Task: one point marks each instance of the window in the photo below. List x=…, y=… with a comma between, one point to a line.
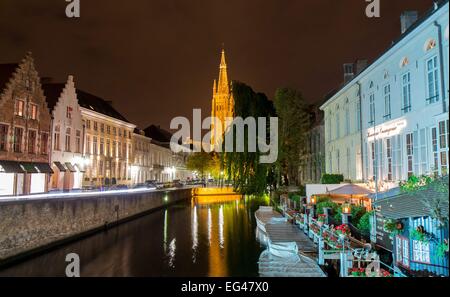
x=409, y=153
x=329, y=127
x=78, y=141
x=397, y=156
x=443, y=146
x=95, y=126
x=402, y=251
x=124, y=150
x=67, y=147
x=88, y=145
x=114, y=151
x=372, y=109
x=69, y=112
x=94, y=145
x=434, y=146
x=17, y=143
x=102, y=146
x=338, y=124
x=373, y=153
x=358, y=116
x=88, y=124
x=44, y=143
x=423, y=151
x=102, y=128
x=56, y=145
x=430, y=44
x=348, y=163
x=33, y=114
x=387, y=102
x=31, y=142
x=432, y=80
x=389, y=158
x=421, y=251
x=347, y=119
x=338, y=158
x=406, y=92
x=108, y=148
x=108, y=129
x=114, y=131
x=20, y=108
x=119, y=150
x=3, y=137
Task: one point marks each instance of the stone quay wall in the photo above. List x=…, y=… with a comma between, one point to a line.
x=33, y=224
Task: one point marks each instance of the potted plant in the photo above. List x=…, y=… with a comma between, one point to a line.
x=343, y=231
x=393, y=227
x=321, y=220
x=420, y=234
x=442, y=248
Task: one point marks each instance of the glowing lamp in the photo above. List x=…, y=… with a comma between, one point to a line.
x=346, y=209
x=313, y=199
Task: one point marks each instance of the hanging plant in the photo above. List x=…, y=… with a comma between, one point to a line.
x=442, y=248
x=393, y=227
x=419, y=234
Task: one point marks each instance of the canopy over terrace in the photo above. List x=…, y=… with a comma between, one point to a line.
x=350, y=193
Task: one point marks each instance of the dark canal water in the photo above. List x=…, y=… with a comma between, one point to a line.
x=195, y=238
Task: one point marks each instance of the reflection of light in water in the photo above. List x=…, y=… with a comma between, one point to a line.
x=165, y=231
x=172, y=250
x=194, y=232
x=221, y=239
x=209, y=226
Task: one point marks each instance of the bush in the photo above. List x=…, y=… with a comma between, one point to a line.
x=332, y=179
x=364, y=222
x=321, y=205
x=357, y=213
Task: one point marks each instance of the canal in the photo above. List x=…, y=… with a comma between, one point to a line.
x=206, y=236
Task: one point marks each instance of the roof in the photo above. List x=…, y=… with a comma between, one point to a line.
x=158, y=134
x=6, y=72
x=422, y=19
x=53, y=91
x=416, y=204
x=350, y=190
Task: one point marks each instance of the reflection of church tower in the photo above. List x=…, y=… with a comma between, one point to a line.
x=222, y=101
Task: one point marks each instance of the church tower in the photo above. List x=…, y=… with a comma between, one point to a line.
x=222, y=101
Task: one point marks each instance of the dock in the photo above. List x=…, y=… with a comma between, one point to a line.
x=287, y=232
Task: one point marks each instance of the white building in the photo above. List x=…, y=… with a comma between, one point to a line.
x=404, y=108
x=67, y=136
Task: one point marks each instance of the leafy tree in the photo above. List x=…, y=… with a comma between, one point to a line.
x=243, y=168
x=364, y=222
x=331, y=179
x=294, y=124
x=204, y=163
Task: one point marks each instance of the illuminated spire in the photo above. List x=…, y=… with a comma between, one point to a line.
x=223, y=86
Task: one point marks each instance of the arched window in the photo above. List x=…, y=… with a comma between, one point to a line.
x=404, y=62
x=429, y=44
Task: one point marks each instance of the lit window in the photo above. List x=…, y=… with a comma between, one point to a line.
x=3, y=137
x=430, y=44
x=20, y=108
x=31, y=141
x=33, y=114
x=17, y=144
x=44, y=143
x=67, y=142
x=56, y=145
x=404, y=62
x=69, y=112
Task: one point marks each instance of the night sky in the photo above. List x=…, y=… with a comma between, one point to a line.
x=157, y=59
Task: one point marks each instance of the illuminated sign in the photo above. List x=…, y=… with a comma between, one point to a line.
x=387, y=130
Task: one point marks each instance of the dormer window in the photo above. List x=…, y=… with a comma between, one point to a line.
x=20, y=104
x=404, y=62
x=430, y=44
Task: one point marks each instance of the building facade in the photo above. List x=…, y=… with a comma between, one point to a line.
x=222, y=106
x=403, y=102
x=24, y=130
x=108, y=142
x=67, y=137
x=315, y=161
x=142, y=166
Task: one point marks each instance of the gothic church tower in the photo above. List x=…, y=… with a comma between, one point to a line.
x=222, y=101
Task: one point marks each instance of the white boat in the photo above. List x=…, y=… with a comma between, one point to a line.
x=265, y=214
x=283, y=249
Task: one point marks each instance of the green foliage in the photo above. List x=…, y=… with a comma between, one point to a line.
x=295, y=197
x=442, y=249
x=364, y=222
x=204, y=163
x=321, y=205
x=414, y=183
x=243, y=168
x=294, y=123
x=419, y=235
x=390, y=226
x=332, y=179
x=356, y=213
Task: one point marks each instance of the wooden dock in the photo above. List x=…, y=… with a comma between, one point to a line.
x=287, y=232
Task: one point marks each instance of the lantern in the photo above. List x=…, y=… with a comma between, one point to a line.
x=313, y=199
x=346, y=208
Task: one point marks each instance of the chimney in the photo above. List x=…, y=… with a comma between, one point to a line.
x=407, y=18
x=361, y=64
x=348, y=72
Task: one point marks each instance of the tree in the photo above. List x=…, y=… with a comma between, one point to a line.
x=204, y=163
x=294, y=125
x=243, y=168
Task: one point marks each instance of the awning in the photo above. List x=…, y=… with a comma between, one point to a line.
x=80, y=168
x=70, y=167
x=10, y=167
x=29, y=167
x=44, y=168
x=60, y=166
